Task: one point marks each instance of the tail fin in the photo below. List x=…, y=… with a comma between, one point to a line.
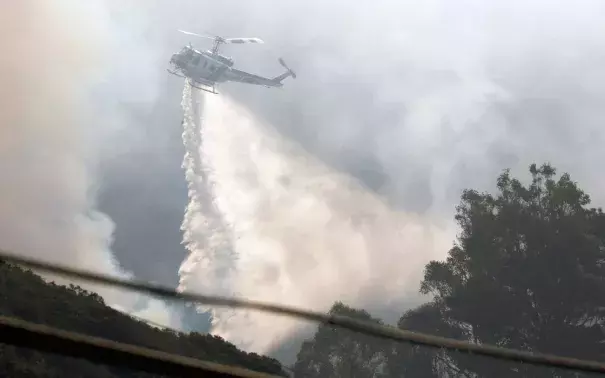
x=289, y=72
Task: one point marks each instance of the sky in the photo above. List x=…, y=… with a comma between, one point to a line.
x=398, y=105
x=417, y=101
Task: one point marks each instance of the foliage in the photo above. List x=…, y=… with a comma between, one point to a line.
x=526, y=272
x=406, y=360
x=336, y=352
x=26, y=296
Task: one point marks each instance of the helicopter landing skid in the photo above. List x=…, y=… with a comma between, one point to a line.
x=204, y=89
x=213, y=91
x=193, y=82
x=175, y=73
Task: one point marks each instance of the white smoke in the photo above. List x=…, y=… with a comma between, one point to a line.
x=53, y=53
x=303, y=234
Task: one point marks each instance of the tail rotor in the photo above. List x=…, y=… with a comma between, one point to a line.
x=292, y=73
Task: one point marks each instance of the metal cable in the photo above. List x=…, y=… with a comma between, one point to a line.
x=381, y=331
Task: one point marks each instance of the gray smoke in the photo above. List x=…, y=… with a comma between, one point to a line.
x=51, y=61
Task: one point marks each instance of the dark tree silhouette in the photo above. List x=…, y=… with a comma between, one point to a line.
x=336, y=352
x=26, y=296
x=526, y=272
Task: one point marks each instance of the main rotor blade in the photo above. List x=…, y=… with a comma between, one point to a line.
x=225, y=40
x=244, y=40
x=197, y=35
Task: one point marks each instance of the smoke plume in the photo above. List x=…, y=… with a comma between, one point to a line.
x=303, y=234
x=53, y=54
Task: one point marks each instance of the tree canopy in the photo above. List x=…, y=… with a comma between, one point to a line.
x=335, y=352
x=526, y=271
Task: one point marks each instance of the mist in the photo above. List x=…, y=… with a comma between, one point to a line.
x=48, y=144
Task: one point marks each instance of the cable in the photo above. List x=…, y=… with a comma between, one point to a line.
x=48, y=339
x=368, y=328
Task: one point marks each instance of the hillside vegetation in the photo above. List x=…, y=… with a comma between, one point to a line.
x=27, y=296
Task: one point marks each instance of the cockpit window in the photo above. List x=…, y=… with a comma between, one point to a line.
x=187, y=54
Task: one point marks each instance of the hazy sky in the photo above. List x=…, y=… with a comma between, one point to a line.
x=423, y=99
x=418, y=100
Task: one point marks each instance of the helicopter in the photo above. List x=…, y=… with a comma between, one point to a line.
x=205, y=69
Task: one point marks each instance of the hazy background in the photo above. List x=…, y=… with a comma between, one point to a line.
x=416, y=100
x=419, y=101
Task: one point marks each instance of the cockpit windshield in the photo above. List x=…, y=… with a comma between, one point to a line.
x=186, y=53
x=225, y=60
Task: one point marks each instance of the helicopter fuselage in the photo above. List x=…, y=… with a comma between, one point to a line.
x=202, y=66
x=208, y=68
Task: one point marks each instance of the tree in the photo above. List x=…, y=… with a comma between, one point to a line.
x=336, y=352
x=406, y=360
x=527, y=271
